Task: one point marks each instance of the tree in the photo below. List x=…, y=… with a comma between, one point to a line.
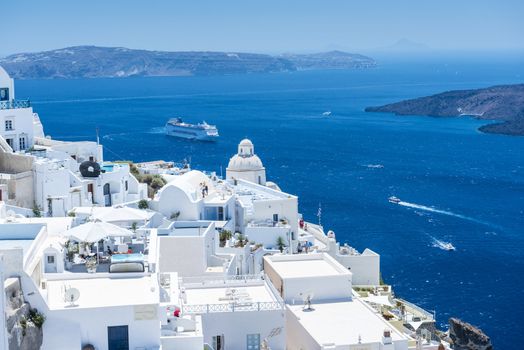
x=281, y=244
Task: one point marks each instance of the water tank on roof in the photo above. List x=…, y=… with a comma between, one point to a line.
x=89, y=169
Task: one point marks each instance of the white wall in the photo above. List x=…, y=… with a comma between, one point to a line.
x=365, y=267
x=297, y=337
x=187, y=255
x=324, y=288
x=254, y=176
x=173, y=199
x=3, y=329
x=267, y=235
x=235, y=326
x=93, y=323
x=22, y=121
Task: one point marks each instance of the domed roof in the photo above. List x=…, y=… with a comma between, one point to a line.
x=246, y=142
x=245, y=163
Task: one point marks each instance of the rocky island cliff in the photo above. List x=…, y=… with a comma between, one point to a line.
x=104, y=62
x=503, y=104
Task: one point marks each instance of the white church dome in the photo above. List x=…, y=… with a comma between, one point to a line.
x=245, y=159
x=238, y=162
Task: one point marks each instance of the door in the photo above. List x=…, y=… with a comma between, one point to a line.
x=90, y=189
x=107, y=195
x=50, y=264
x=118, y=338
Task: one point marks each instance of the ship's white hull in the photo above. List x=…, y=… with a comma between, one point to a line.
x=191, y=133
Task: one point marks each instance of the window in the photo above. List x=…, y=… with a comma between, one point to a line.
x=91, y=158
x=118, y=338
x=127, y=185
x=218, y=342
x=275, y=217
x=220, y=213
x=4, y=94
x=253, y=342
x=8, y=125
x=22, y=143
x=50, y=259
x=10, y=142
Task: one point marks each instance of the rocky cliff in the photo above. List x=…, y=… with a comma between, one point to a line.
x=23, y=333
x=467, y=337
x=503, y=104
x=330, y=60
x=94, y=61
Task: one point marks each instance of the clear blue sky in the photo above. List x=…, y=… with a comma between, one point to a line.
x=271, y=26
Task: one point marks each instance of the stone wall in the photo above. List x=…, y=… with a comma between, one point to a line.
x=20, y=337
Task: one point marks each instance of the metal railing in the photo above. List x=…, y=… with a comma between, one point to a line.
x=232, y=307
x=13, y=104
x=213, y=281
x=417, y=309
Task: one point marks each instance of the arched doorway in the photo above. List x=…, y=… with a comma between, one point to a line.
x=107, y=195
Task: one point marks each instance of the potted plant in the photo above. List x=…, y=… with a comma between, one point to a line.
x=71, y=250
x=224, y=236
x=91, y=264
x=281, y=244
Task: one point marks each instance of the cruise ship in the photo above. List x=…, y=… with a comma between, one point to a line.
x=201, y=131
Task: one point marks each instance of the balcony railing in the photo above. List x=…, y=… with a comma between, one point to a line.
x=232, y=307
x=14, y=104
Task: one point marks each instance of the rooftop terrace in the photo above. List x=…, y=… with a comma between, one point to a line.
x=343, y=323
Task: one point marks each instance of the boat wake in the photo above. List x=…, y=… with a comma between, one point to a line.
x=439, y=211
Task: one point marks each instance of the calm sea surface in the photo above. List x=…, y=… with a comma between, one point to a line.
x=458, y=185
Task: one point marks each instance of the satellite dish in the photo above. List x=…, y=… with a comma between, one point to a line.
x=71, y=295
x=307, y=298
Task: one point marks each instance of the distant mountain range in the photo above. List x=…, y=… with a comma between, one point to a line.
x=503, y=104
x=95, y=62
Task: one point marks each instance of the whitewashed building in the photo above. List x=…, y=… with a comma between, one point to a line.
x=236, y=313
x=19, y=124
x=322, y=312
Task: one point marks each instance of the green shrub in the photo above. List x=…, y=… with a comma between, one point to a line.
x=143, y=204
x=37, y=318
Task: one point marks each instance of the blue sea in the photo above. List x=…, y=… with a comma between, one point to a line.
x=457, y=185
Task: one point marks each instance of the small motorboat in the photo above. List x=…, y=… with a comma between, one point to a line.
x=394, y=200
x=447, y=246
x=443, y=245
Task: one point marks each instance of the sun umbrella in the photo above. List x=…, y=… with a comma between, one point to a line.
x=121, y=214
x=378, y=299
x=94, y=231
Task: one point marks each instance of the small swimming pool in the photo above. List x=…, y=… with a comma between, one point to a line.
x=108, y=167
